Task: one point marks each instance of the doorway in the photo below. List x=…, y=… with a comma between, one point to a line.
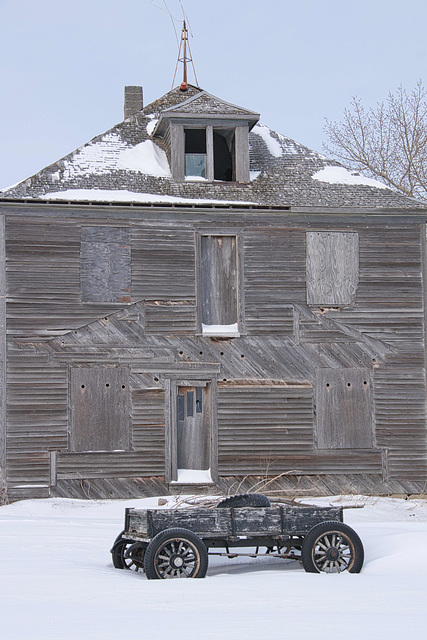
x=193, y=428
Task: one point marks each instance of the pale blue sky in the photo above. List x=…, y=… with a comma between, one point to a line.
x=63, y=65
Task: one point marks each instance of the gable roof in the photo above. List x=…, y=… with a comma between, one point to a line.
x=129, y=163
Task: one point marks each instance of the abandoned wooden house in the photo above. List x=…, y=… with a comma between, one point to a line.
x=192, y=301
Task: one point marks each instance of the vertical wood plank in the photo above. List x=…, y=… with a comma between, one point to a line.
x=209, y=153
x=241, y=142
x=219, y=280
x=177, y=151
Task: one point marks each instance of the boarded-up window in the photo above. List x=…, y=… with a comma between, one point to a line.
x=218, y=266
x=332, y=268
x=343, y=408
x=105, y=271
x=99, y=418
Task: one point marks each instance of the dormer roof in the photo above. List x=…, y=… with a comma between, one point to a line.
x=203, y=106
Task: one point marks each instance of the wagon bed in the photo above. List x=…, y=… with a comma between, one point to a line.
x=229, y=524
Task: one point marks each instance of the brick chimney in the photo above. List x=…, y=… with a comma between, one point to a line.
x=133, y=100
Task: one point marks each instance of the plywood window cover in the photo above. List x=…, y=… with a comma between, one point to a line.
x=344, y=409
x=99, y=409
x=105, y=271
x=332, y=268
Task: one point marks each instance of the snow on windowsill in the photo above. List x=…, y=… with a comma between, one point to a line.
x=229, y=330
x=193, y=476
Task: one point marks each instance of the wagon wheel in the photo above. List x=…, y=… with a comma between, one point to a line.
x=176, y=553
x=332, y=547
x=126, y=554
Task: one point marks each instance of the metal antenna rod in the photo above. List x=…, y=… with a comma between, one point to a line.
x=184, y=44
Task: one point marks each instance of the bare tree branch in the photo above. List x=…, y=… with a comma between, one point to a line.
x=388, y=142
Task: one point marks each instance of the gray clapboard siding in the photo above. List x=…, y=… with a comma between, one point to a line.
x=332, y=268
x=177, y=317
x=338, y=462
x=148, y=424
x=401, y=416
x=256, y=425
x=109, y=464
x=390, y=273
x=163, y=263
x=274, y=268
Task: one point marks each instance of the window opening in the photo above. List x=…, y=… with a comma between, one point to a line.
x=218, y=264
x=195, y=152
x=223, y=142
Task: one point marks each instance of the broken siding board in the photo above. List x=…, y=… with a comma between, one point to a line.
x=343, y=409
x=332, y=268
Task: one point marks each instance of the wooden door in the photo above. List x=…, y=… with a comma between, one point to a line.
x=193, y=431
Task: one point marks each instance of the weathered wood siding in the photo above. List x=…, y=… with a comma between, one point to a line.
x=274, y=278
x=163, y=263
x=269, y=395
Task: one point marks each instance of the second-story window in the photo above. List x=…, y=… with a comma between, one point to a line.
x=219, y=285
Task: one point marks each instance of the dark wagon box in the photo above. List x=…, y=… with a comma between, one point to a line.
x=176, y=543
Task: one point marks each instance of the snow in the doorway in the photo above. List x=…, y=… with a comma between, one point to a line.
x=193, y=476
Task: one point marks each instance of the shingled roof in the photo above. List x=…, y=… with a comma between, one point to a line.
x=129, y=163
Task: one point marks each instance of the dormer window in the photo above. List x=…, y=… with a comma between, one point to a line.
x=209, y=153
x=207, y=139
x=195, y=153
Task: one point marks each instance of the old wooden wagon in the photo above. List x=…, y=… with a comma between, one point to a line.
x=176, y=543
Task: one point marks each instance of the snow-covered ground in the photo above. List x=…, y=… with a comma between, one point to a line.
x=57, y=581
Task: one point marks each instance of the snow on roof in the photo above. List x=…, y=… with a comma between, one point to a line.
x=111, y=153
x=341, y=175
x=272, y=144
x=123, y=195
